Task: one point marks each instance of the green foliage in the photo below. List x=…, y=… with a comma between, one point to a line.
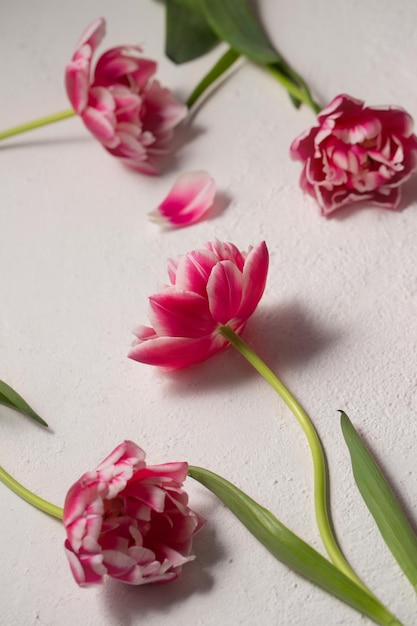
x=9, y=397
x=290, y=549
x=382, y=503
x=188, y=35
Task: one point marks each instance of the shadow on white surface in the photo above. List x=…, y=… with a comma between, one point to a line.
x=128, y=604
x=409, y=193
x=282, y=336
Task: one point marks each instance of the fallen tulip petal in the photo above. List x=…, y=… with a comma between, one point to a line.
x=188, y=201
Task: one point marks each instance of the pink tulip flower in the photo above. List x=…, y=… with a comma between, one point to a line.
x=210, y=288
x=129, y=520
x=356, y=153
x=188, y=201
x=131, y=115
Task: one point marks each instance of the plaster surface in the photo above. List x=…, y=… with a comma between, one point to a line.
x=79, y=257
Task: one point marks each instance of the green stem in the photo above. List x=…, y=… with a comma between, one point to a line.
x=219, y=68
x=29, y=496
x=42, y=121
x=289, y=80
x=321, y=487
x=302, y=94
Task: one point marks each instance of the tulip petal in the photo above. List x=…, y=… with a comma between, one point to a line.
x=100, y=126
x=193, y=271
x=224, y=291
x=176, y=352
x=226, y=251
x=181, y=314
x=93, y=34
x=162, y=112
x=189, y=199
x=254, y=279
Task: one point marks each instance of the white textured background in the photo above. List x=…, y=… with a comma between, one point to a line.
x=78, y=258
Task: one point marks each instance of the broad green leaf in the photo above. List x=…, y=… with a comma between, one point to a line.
x=290, y=549
x=382, y=503
x=233, y=21
x=188, y=35
x=9, y=397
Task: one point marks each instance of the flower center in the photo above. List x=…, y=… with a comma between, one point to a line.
x=114, y=508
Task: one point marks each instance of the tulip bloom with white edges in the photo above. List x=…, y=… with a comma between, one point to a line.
x=129, y=520
x=188, y=201
x=130, y=114
x=356, y=153
x=212, y=287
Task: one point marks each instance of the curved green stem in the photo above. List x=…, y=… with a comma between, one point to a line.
x=29, y=496
x=219, y=68
x=302, y=94
x=321, y=486
x=42, y=121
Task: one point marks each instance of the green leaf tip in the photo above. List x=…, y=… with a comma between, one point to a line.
x=378, y=496
x=10, y=398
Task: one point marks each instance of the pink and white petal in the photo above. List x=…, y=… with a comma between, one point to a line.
x=139, y=575
x=144, y=165
x=173, y=558
x=303, y=146
x=175, y=471
x=181, y=314
x=177, y=352
x=389, y=200
x=226, y=251
x=193, y=271
x=100, y=126
x=109, y=70
x=143, y=333
x=129, y=146
x=224, y=291
x=162, y=111
x=254, y=279
x=144, y=73
x=77, y=83
x=87, y=569
x=102, y=99
x=93, y=34
x=153, y=496
x=117, y=563
x=191, y=196
x=80, y=496
x=342, y=103
x=123, y=63
x=127, y=453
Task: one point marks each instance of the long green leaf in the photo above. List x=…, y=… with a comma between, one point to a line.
x=382, y=503
x=290, y=549
x=233, y=21
x=188, y=34
x=10, y=398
